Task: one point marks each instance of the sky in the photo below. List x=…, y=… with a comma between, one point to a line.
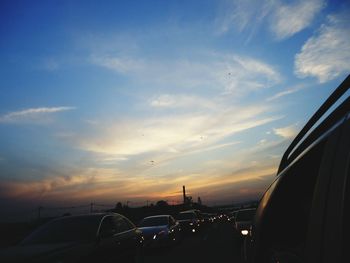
x=116, y=101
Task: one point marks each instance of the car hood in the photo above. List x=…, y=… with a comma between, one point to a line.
x=151, y=230
x=41, y=252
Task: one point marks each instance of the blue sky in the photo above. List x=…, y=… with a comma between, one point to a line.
x=129, y=100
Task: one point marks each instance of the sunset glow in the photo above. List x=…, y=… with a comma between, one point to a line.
x=122, y=102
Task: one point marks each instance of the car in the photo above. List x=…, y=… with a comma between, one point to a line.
x=189, y=221
x=160, y=230
x=206, y=219
x=243, y=220
x=304, y=214
x=233, y=216
x=96, y=237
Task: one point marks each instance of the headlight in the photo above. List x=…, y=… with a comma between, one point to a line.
x=191, y=224
x=154, y=237
x=244, y=232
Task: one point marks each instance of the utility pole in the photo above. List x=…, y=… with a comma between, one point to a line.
x=39, y=212
x=184, y=194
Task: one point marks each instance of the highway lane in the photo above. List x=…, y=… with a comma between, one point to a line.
x=216, y=243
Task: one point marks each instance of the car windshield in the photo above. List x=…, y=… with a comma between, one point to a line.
x=184, y=216
x=245, y=215
x=65, y=230
x=154, y=221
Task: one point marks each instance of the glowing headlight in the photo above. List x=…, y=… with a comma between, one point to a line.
x=193, y=230
x=154, y=237
x=244, y=232
x=191, y=224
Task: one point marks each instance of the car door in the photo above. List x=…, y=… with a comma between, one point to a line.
x=118, y=240
x=127, y=236
x=109, y=246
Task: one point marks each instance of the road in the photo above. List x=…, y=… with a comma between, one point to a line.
x=217, y=243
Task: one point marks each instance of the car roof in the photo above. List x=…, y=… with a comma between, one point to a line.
x=98, y=216
x=188, y=212
x=319, y=124
x=157, y=216
x=245, y=209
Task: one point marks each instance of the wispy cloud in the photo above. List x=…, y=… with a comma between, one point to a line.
x=49, y=64
x=119, y=64
x=32, y=114
x=229, y=73
x=286, y=92
x=78, y=184
x=287, y=132
x=289, y=19
x=181, y=101
x=284, y=19
x=175, y=133
x=326, y=55
x=241, y=14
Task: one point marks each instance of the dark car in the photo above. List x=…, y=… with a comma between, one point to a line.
x=243, y=220
x=160, y=230
x=233, y=216
x=304, y=214
x=189, y=221
x=84, y=238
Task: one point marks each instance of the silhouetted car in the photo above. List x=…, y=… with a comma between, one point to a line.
x=160, y=230
x=304, y=214
x=189, y=221
x=233, y=216
x=243, y=220
x=207, y=219
x=84, y=238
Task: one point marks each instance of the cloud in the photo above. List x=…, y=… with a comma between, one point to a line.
x=289, y=19
x=31, y=115
x=286, y=92
x=252, y=167
x=173, y=133
x=49, y=64
x=229, y=73
x=287, y=132
x=284, y=19
x=242, y=14
x=119, y=64
x=326, y=55
x=181, y=101
x=78, y=185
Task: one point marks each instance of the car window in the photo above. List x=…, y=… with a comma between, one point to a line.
x=172, y=221
x=121, y=224
x=184, y=216
x=108, y=228
x=154, y=221
x=64, y=230
x=287, y=217
x=128, y=223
